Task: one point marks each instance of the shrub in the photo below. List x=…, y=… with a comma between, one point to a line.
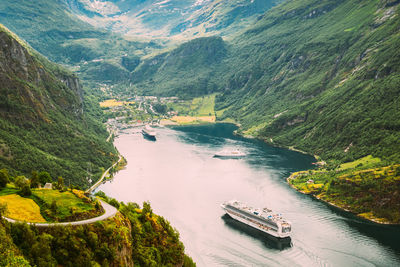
x=21, y=181
x=4, y=178
x=114, y=202
x=3, y=209
x=35, y=179
x=26, y=190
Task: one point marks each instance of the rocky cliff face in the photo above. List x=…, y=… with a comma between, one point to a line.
x=22, y=73
x=42, y=122
x=73, y=83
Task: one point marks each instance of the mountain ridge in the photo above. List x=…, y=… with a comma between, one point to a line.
x=169, y=19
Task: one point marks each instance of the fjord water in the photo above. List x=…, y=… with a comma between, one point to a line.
x=186, y=184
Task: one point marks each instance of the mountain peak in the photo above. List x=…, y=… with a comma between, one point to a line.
x=169, y=18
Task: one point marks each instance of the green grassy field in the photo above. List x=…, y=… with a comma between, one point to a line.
x=197, y=107
x=204, y=106
x=67, y=203
x=365, y=162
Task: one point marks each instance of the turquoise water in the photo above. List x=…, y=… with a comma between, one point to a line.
x=186, y=184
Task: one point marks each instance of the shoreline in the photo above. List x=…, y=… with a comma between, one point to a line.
x=291, y=148
x=318, y=159
x=371, y=220
x=238, y=133
x=102, y=178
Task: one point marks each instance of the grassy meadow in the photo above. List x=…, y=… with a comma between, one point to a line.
x=197, y=110
x=67, y=203
x=8, y=190
x=191, y=119
x=48, y=205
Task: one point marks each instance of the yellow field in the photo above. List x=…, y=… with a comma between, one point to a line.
x=22, y=209
x=114, y=103
x=190, y=119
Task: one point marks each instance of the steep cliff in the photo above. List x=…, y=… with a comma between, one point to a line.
x=134, y=237
x=21, y=74
x=43, y=124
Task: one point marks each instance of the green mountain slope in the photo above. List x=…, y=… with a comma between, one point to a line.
x=321, y=76
x=84, y=35
x=51, y=29
x=370, y=193
x=44, y=124
x=50, y=26
x=185, y=71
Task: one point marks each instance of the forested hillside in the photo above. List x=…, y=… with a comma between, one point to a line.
x=134, y=237
x=320, y=76
x=45, y=124
x=185, y=71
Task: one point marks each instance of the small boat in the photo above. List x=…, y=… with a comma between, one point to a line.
x=149, y=132
x=230, y=154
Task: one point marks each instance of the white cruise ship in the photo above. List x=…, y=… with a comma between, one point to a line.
x=262, y=219
x=149, y=132
x=230, y=154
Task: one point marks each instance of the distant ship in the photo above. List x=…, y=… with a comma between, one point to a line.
x=264, y=220
x=230, y=154
x=149, y=132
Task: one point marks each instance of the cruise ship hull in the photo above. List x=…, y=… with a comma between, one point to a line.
x=247, y=221
x=148, y=135
x=228, y=156
x=270, y=241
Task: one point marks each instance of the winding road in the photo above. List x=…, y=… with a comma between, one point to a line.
x=93, y=187
x=110, y=212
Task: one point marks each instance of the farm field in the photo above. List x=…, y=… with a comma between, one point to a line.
x=67, y=203
x=48, y=205
x=22, y=209
x=114, y=103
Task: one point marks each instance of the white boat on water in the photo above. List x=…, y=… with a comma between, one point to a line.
x=149, y=132
x=230, y=154
x=262, y=219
